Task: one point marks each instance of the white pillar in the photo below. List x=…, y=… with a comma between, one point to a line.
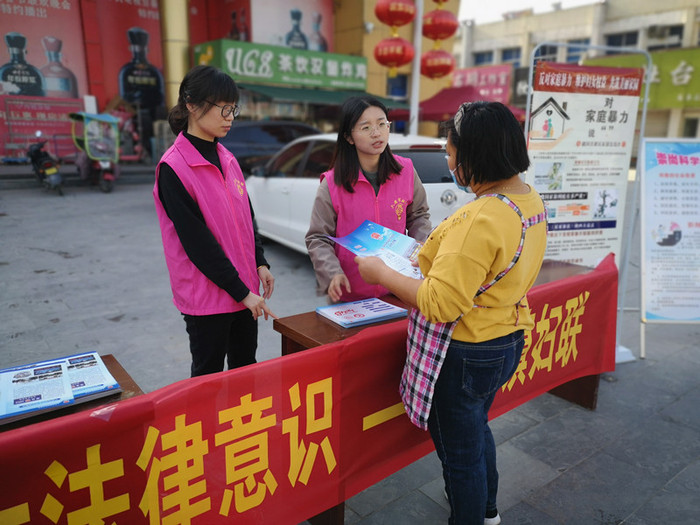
x=415, y=73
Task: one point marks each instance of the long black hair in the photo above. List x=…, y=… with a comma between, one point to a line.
x=345, y=162
x=202, y=86
x=489, y=141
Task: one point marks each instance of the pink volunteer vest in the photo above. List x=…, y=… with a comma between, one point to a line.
x=224, y=205
x=388, y=208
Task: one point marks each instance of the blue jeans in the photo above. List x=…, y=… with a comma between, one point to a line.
x=469, y=379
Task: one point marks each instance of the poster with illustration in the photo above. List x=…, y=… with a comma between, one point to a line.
x=42, y=50
x=305, y=25
x=670, y=230
x=580, y=135
x=133, y=61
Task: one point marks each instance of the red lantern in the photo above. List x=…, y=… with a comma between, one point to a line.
x=393, y=53
x=436, y=63
x=395, y=12
x=439, y=24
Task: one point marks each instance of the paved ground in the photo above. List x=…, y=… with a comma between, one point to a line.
x=86, y=272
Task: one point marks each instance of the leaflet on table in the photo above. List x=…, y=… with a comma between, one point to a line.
x=34, y=387
x=394, y=248
x=89, y=376
x=48, y=385
x=357, y=313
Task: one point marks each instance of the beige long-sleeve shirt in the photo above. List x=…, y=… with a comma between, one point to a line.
x=323, y=223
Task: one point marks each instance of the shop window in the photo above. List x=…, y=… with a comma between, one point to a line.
x=547, y=53
x=574, y=54
x=664, y=37
x=483, y=58
x=628, y=39
x=511, y=55
x=690, y=127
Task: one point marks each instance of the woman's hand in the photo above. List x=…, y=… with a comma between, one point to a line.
x=267, y=280
x=257, y=306
x=335, y=289
x=371, y=269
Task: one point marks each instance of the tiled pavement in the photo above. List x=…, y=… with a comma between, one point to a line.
x=85, y=271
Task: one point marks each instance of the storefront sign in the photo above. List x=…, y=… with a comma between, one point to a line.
x=281, y=440
x=263, y=64
x=675, y=76
x=580, y=134
x=670, y=214
x=492, y=82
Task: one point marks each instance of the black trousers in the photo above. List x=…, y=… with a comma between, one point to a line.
x=233, y=336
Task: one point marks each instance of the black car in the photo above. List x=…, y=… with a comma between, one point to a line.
x=253, y=142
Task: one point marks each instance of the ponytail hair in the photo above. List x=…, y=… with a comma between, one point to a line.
x=202, y=86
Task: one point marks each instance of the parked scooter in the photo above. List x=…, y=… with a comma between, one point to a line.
x=97, y=138
x=44, y=166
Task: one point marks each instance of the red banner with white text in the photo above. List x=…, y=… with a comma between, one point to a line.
x=278, y=441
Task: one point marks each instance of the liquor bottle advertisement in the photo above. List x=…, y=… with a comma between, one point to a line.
x=133, y=61
x=42, y=51
x=580, y=135
x=305, y=25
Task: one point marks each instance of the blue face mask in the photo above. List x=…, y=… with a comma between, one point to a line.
x=454, y=178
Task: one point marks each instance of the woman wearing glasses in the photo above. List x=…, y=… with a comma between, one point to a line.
x=214, y=256
x=365, y=182
x=470, y=313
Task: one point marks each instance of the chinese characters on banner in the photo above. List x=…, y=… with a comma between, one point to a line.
x=671, y=230
x=580, y=137
x=491, y=82
x=282, y=440
x=265, y=64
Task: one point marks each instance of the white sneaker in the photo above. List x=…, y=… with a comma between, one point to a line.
x=493, y=521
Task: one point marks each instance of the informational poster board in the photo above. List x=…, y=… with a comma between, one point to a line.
x=580, y=135
x=670, y=230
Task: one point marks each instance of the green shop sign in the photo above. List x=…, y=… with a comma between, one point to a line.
x=263, y=64
x=675, y=76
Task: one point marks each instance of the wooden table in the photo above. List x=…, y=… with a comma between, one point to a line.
x=307, y=330
x=126, y=382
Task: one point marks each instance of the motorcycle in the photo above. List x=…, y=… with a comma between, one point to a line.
x=96, y=135
x=44, y=166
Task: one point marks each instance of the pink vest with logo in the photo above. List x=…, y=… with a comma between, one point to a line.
x=387, y=208
x=224, y=205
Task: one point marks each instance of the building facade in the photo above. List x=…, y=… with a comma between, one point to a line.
x=669, y=31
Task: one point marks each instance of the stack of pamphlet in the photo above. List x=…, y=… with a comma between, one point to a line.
x=35, y=388
x=357, y=313
x=398, y=251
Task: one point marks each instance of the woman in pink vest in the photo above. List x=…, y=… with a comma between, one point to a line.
x=214, y=257
x=366, y=182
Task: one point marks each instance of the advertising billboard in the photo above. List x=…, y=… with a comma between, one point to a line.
x=43, y=53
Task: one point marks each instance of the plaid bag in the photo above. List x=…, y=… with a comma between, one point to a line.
x=426, y=347
x=427, y=342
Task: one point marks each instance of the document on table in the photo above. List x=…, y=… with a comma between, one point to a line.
x=35, y=388
x=395, y=249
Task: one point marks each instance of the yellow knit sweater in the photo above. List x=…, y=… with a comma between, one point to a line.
x=468, y=250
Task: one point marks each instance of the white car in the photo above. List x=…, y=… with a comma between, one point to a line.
x=283, y=190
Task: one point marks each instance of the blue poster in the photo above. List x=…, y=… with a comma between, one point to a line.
x=671, y=230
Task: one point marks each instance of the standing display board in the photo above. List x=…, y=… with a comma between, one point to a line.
x=580, y=135
x=670, y=229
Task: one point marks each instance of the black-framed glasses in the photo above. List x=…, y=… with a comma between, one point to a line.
x=227, y=109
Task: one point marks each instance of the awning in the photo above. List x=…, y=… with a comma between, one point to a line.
x=326, y=97
x=444, y=104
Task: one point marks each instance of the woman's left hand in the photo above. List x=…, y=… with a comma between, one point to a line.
x=371, y=269
x=267, y=280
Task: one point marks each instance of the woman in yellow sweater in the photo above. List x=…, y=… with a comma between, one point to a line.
x=470, y=312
